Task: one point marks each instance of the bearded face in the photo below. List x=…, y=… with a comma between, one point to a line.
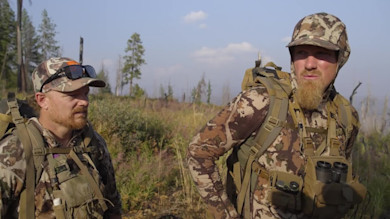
x=315, y=69
x=75, y=119
x=310, y=92
x=68, y=110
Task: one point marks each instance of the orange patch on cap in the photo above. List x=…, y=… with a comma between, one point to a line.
x=72, y=63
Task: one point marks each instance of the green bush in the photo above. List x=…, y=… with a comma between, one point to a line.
x=114, y=116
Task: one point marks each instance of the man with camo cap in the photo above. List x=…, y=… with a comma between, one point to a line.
x=319, y=48
x=77, y=177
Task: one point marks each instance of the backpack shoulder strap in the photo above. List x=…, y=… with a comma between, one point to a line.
x=38, y=148
x=27, y=197
x=279, y=97
x=345, y=113
x=276, y=115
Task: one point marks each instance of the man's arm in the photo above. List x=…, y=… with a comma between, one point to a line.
x=229, y=128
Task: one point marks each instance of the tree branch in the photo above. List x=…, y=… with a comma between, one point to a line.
x=354, y=92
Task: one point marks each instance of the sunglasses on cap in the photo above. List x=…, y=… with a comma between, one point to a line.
x=72, y=72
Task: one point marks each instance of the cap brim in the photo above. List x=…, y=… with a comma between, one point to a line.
x=314, y=42
x=72, y=85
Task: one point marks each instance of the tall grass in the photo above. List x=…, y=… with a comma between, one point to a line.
x=371, y=161
x=148, y=140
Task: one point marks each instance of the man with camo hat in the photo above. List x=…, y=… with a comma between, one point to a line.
x=73, y=170
x=320, y=127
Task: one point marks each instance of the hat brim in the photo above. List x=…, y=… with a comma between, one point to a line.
x=314, y=42
x=72, y=85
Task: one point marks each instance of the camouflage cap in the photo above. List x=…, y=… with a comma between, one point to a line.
x=324, y=30
x=62, y=84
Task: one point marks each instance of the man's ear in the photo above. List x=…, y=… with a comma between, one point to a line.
x=41, y=100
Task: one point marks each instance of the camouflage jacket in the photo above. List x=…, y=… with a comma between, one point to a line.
x=13, y=173
x=231, y=127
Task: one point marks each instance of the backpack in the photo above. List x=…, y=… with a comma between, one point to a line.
x=243, y=169
x=14, y=114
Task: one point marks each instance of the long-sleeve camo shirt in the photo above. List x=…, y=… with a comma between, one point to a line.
x=230, y=128
x=13, y=175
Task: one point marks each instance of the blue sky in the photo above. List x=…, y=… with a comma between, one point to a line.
x=185, y=39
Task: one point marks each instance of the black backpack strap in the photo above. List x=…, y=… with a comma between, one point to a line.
x=27, y=206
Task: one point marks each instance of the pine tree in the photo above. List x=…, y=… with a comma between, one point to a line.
x=138, y=91
x=208, y=92
x=8, y=66
x=170, y=92
x=199, y=91
x=47, y=43
x=30, y=48
x=133, y=61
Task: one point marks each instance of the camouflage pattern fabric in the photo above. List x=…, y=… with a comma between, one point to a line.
x=62, y=84
x=230, y=128
x=13, y=171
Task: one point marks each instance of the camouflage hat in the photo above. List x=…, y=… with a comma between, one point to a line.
x=324, y=30
x=62, y=84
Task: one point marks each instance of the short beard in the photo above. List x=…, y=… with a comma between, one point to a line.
x=79, y=122
x=71, y=121
x=309, y=94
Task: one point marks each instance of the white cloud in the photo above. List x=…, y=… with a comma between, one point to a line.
x=223, y=55
x=195, y=16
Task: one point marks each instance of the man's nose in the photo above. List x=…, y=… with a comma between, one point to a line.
x=83, y=99
x=311, y=62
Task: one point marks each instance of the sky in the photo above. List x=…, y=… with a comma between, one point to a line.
x=217, y=39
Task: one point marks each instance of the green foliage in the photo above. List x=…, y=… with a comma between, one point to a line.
x=198, y=91
x=47, y=42
x=138, y=91
x=8, y=63
x=371, y=162
x=133, y=60
x=30, y=48
x=170, y=92
x=131, y=126
x=102, y=75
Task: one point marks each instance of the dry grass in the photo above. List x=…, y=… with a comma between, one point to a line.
x=151, y=173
